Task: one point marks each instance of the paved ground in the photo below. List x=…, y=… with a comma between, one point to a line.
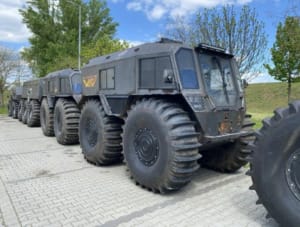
x=45, y=184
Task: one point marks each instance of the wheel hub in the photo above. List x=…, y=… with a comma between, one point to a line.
x=293, y=173
x=146, y=146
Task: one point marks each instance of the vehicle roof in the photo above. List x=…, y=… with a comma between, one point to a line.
x=147, y=48
x=62, y=73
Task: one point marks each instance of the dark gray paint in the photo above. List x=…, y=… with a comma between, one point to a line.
x=139, y=72
x=32, y=89
x=60, y=84
x=56, y=84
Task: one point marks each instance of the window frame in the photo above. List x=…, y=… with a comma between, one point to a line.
x=106, y=76
x=156, y=60
x=194, y=66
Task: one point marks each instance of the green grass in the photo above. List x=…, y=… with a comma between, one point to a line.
x=263, y=99
x=3, y=110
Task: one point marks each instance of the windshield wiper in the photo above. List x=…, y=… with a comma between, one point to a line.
x=224, y=84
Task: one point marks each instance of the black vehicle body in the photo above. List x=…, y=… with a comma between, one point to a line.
x=31, y=92
x=60, y=99
x=165, y=107
x=14, y=101
x=65, y=83
x=162, y=70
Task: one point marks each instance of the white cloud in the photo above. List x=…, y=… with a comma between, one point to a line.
x=135, y=6
x=11, y=27
x=133, y=43
x=157, y=12
x=156, y=9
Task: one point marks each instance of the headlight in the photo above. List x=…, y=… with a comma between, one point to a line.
x=196, y=102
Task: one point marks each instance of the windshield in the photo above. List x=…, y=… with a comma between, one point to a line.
x=218, y=79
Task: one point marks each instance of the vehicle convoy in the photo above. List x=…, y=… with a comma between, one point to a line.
x=275, y=165
x=164, y=105
x=52, y=103
x=59, y=114
x=14, y=101
x=29, y=111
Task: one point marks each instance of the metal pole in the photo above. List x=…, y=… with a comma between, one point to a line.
x=79, y=32
x=79, y=38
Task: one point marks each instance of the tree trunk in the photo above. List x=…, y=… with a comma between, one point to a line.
x=289, y=88
x=1, y=97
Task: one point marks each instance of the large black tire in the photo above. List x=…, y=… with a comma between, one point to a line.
x=21, y=110
x=100, y=135
x=230, y=157
x=46, y=118
x=160, y=145
x=33, y=113
x=10, y=109
x=275, y=165
x=66, y=121
x=24, y=116
x=15, y=110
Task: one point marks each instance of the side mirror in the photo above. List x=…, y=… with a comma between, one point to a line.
x=168, y=76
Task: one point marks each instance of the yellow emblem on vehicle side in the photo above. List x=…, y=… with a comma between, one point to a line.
x=89, y=81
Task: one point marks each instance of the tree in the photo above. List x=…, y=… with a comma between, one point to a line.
x=286, y=53
x=103, y=46
x=54, y=27
x=8, y=63
x=238, y=31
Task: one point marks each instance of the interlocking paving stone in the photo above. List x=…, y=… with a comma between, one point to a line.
x=43, y=183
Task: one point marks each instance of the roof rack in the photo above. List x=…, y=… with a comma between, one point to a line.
x=210, y=47
x=167, y=40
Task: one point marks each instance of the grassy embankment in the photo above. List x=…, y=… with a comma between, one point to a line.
x=3, y=110
x=262, y=99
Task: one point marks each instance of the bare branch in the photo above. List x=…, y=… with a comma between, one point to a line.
x=238, y=31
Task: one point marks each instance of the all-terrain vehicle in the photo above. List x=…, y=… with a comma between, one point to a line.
x=59, y=114
x=164, y=105
x=14, y=101
x=275, y=165
x=29, y=112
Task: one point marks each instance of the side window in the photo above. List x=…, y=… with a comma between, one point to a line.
x=77, y=83
x=61, y=84
x=64, y=85
x=107, y=78
x=147, y=73
x=164, y=72
x=156, y=73
x=187, y=71
x=51, y=86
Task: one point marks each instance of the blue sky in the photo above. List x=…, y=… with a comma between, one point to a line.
x=145, y=21
x=142, y=20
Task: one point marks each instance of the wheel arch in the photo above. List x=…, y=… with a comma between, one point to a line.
x=178, y=98
x=132, y=99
